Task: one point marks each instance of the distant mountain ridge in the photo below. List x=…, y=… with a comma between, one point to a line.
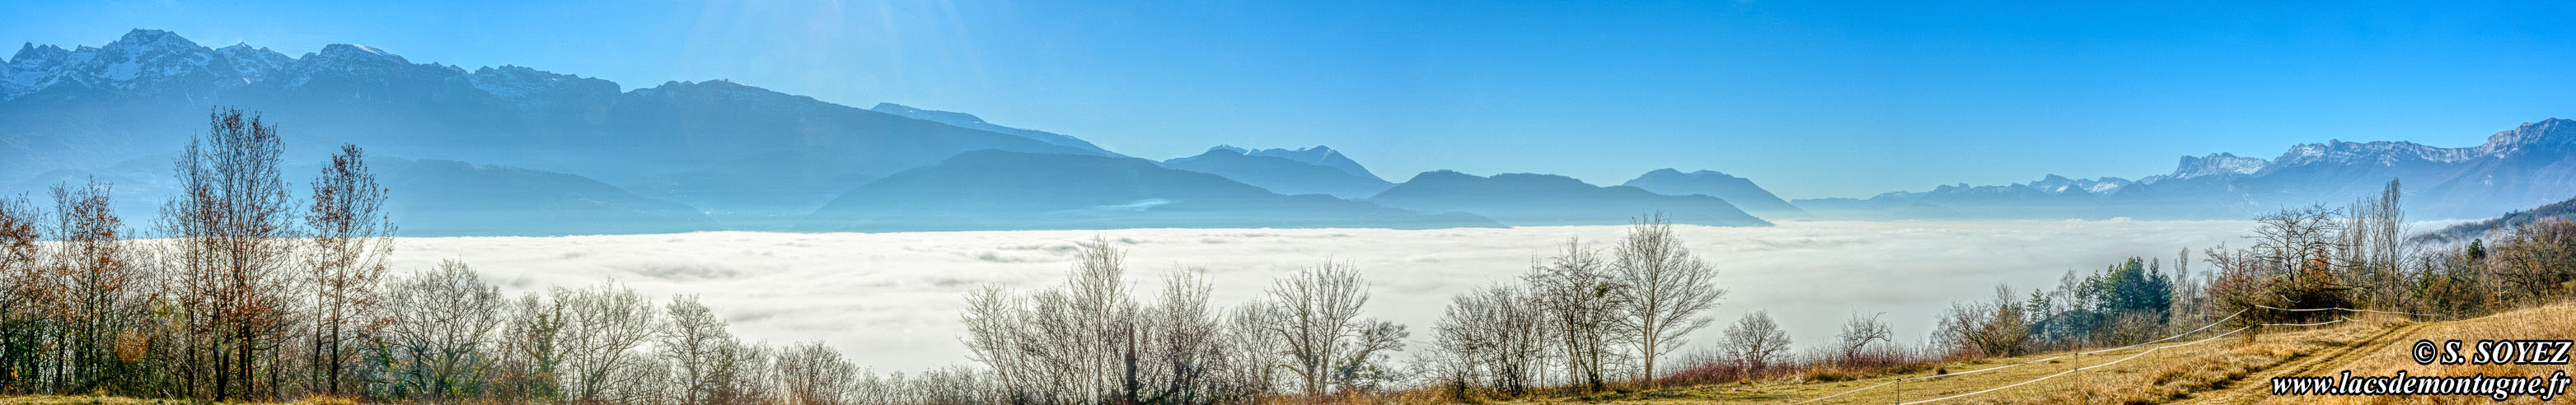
x=1285, y=175
x=754, y=157
x=1524, y=199
x=679, y=156
x=746, y=158
x=1735, y=190
x=996, y=190
x=2531, y=164
x=2502, y=226
x=431, y=197
x=1315, y=155
x=970, y=121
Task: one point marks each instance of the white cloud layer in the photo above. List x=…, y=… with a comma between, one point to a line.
x=891, y=300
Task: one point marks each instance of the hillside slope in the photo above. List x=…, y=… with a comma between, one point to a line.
x=2196, y=369
x=2496, y=227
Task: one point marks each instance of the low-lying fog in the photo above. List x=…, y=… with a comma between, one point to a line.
x=891, y=300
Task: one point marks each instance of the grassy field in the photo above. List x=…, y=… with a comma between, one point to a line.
x=2232, y=369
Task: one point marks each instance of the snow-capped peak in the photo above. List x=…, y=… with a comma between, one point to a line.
x=356, y=53
x=2217, y=164
x=255, y=64
x=1317, y=155
x=34, y=55
x=2545, y=133
x=531, y=90
x=152, y=39
x=2382, y=153
x=2060, y=184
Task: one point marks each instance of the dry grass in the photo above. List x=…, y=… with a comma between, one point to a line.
x=2168, y=375
x=2555, y=321
x=2236, y=369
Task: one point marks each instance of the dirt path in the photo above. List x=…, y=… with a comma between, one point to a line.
x=2257, y=387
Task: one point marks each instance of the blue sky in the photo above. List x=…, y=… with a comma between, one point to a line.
x=1811, y=99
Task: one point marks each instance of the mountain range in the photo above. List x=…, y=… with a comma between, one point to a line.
x=983, y=190
x=1737, y=190
x=2500, y=227
x=2532, y=164
x=513, y=150
x=1521, y=199
x=1315, y=170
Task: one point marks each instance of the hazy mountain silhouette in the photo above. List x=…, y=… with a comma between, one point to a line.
x=2529, y=165
x=998, y=190
x=1282, y=175
x=1522, y=199
x=1735, y=190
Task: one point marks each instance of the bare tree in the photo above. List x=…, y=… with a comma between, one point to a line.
x=1493, y=338
x=2287, y=238
x=1368, y=364
x=2185, y=305
x=695, y=342
x=533, y=350
x=232, y=240
x=1183, y=354
x=709, y=365
x=2539, y=259
x=2307, y=251
x=2385, y=234
x=1059, y=345
x=1316, y=311
x=351, y=236
x=1315, y=314
x=101, y=280
x=1757, y=341
x=23, y=282
x=1861, y=331
x=994, y=335
x=813, y=374
x=1581, y=301
x=442, y=335
x=602, y=326
x=1665, y=286
x=1994, y=328
x=1091, y=341
x=102, y=286
x=1257, y=355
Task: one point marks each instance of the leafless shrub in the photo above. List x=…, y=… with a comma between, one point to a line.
x=1993, y=328
x=1861, y=332
x=1756, y=341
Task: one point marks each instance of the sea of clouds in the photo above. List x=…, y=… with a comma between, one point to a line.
x=891, y=300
